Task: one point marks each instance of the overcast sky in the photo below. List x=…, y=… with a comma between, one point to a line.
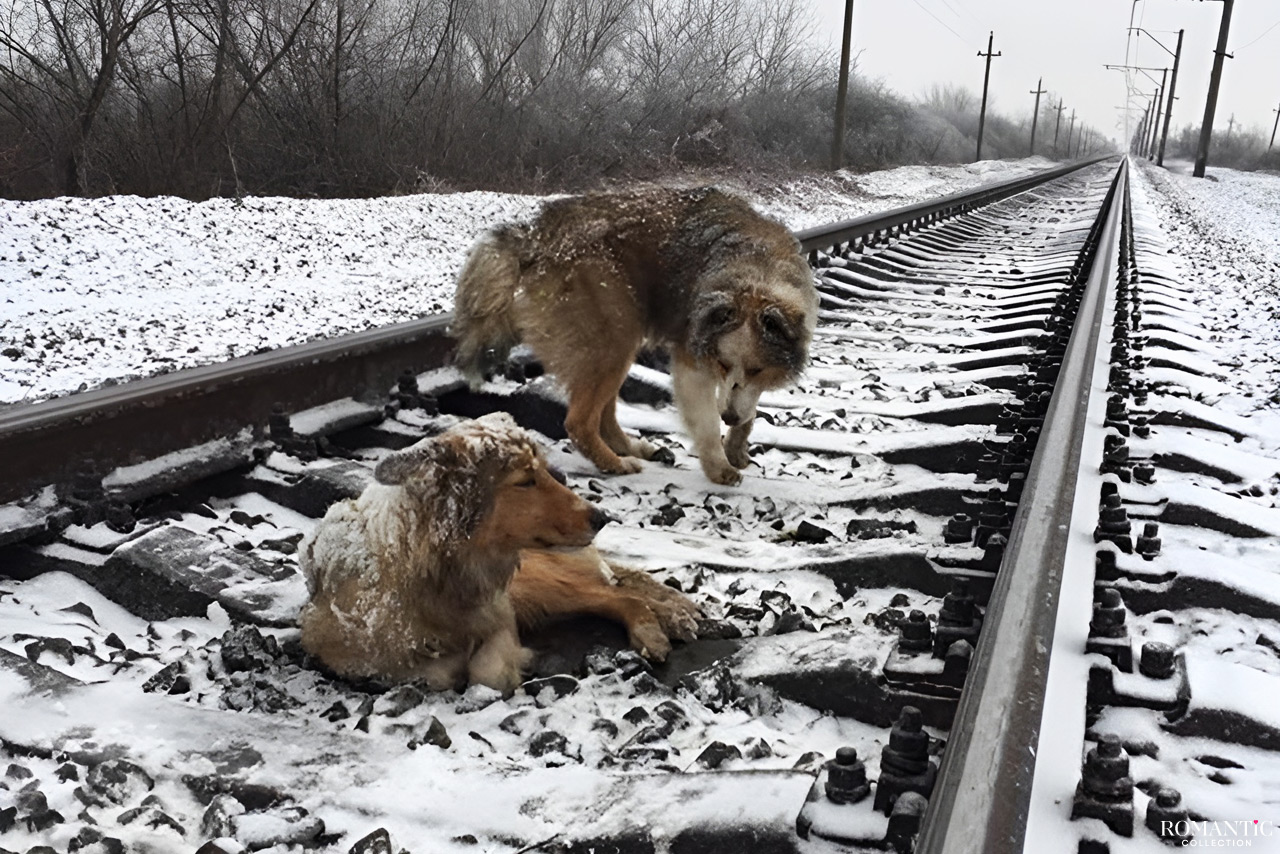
x=912, y=44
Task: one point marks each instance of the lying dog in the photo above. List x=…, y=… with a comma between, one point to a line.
x=426, y=576
x=593, y=277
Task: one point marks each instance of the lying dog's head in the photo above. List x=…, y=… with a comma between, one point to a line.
x=485, y=483
x=753, y=325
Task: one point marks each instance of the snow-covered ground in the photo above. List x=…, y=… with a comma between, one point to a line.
x=100, y=290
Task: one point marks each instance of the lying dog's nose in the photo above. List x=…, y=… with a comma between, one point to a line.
x=730, y=417
x=599, y=518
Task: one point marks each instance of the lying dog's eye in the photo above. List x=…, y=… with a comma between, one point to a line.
x=526, y=479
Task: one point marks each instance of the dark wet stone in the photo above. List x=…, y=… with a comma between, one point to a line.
x=709, y=629
x=636, y=715
x=84, y=837
x=18, y=772
x=61, y=647
x=258, y=695
x=716, y=754
x=667, y=515
x=758, y=748
x=399, y=700
x=514, y=722
x=117, y=781
x=378, y=842
x=900, y=600
x=887, y=620
x=807, y=532
x=170, y=679
x=548, y=741
x=31, y=801
x=8, y=818
x=560, y=685
x=1218, y=762
x=630, y=663
x=654, y=732
x=337, y=712
x=67, y=771
x=42, y=821
x=217, y=818
x=644, y=754
x=240, y=517
x=435, y=735
x=672, y=712
x=244, y=648
x=466, y=839
x=606, y=726
x=790, y=621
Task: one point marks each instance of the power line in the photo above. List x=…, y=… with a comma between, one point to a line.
x=1259, y=38
x=940, y=21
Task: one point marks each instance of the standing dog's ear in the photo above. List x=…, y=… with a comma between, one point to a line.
x=780, y=337
x=713, y=315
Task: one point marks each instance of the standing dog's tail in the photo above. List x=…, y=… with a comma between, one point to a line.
x=483, y=320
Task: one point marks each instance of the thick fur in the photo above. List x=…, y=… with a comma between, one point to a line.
x=593, y=278
x=428, y=575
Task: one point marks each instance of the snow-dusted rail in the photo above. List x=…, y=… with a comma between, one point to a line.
x=155, y=693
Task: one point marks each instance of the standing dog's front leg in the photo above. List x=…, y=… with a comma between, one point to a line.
x=741, y=413
x=695, y=392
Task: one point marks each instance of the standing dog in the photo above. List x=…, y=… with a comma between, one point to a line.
x=425, y=577
x=593, y=277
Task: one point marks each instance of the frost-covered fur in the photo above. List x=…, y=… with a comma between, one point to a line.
x=593, y=278
x=412, y=581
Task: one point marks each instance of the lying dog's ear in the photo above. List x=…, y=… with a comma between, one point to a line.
x=713, y=314
x=396, y=468
x=780, y=336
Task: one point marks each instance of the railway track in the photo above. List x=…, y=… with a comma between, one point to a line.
x=959, y=603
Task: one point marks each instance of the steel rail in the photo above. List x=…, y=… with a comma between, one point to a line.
x=982, y=797
x=909, y=218
x=47, y=442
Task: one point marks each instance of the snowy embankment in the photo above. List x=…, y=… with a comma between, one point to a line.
x=95, y=291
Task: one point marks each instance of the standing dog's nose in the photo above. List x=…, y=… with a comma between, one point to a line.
x=730, y=417
x=599, y=519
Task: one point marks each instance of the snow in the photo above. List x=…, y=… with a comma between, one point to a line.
x=101, y=291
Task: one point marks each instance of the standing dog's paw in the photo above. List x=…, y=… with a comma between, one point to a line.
x=722, y=472
x=737, y=455
x=625, y=465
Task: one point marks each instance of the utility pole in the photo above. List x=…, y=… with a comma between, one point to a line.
x=1035, y=115
x=1155, y=126
x=1273, y=128
x=1168, y=112
x=986, y=79
x=1057, y=124
x=837, y=141
x=1231, y=123
x=1070, y=128
x=1215, y=80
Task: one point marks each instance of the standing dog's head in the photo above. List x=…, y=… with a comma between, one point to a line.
x=752, y=325
x=484, y=486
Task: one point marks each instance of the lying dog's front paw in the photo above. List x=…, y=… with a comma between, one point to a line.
x=650, y=640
